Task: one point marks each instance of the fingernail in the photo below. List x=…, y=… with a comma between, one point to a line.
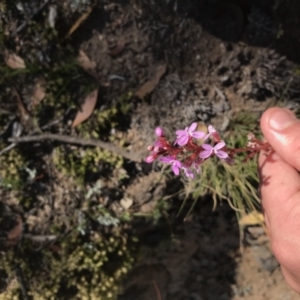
x=281, y=120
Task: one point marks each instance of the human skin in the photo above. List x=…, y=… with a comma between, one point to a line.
x=280, y=189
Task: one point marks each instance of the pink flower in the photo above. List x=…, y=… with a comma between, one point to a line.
x=176, y=164
x=210, y=150
x=211, y=130
x=184, y=135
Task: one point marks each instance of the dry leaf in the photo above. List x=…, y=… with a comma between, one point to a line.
x=87, y=108
x=126, y=203
x=87, y=65
x=115, y=51
x=13, y=61
x=15, y=234
x=150, y=85
x=21, y=108
x=254, y=218
x=39, y=92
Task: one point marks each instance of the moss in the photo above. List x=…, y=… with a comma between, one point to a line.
x=12, y=169
x=79, y=267
x=78, y=162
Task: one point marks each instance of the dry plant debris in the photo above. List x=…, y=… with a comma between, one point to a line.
x=13, y=60
x=150, y=85
x=86, y=109
x=86, y=63
x=39, y=92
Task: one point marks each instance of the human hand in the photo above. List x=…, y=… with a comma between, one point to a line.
x=280, y=189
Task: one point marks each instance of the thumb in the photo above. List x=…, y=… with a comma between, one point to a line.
x=281, y=129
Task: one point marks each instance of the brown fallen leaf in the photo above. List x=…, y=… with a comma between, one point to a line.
x=115, y=51
x=150, y=85
x=87, y=108
x=15, y=234
x=38, y=92
x=24, y=114
x=87, y=65
x=13, y=61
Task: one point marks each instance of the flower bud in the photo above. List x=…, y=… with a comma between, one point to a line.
x=159, y=132
x=250, y=136
x=156, y=149
x=149, y=159
x=150, y=148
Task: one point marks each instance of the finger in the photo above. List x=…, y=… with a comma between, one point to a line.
x=280, y=194
x=292, y=279
x=282, y=130
x=279, y=183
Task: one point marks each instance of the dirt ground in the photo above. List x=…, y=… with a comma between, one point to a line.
x=180, y=61
x=205, y=260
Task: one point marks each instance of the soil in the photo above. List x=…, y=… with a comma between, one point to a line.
x=187, y=61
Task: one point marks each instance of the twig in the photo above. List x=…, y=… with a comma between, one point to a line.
x=75, y=140
x=20, y=278
x=158, y=294
x=40, y=238
x=13, y=145
x=8, y=148
x=79, y=21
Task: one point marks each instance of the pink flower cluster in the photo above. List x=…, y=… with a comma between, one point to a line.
x=187, y=154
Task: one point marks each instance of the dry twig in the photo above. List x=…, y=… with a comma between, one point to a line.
x=157, y=291
x=11, y=146
x=76, y=140
x=21, y=281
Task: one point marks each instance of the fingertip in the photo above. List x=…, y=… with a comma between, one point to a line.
x=268, y=115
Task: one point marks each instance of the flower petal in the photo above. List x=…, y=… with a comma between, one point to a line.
x=207, y=147
x=211, y=129
x=198, y=134
x=180, y=132
x=192, y=127
x=175, y=169
x=220, y=145
x=177, y=163
x=206, y=137
x=166, y=159
x=222, y=154
x=205, y=154
x=182, y=140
